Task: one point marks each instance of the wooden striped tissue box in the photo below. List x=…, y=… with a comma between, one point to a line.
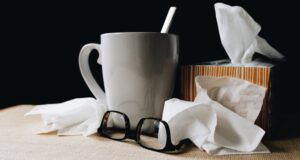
x=257, y=72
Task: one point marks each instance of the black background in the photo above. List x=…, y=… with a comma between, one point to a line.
x=40, y=41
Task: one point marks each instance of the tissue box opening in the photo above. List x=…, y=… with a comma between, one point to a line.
x=257, y=72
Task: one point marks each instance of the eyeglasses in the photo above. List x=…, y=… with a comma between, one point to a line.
x=151, y=133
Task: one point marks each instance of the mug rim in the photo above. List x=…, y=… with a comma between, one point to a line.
x=128, y=33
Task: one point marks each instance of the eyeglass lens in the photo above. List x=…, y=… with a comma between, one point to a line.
x=153, y=134
x=114, y=125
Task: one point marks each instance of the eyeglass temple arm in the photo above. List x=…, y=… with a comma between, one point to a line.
x=181, y=143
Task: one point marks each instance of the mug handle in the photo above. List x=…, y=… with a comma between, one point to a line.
x=86, y=71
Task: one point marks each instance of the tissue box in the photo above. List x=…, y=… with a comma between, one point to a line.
x=257, y=72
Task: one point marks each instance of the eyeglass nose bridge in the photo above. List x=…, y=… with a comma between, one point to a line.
x=134, y=134
x=131, y=135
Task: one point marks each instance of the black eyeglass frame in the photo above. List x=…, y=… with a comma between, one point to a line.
x=135, y=135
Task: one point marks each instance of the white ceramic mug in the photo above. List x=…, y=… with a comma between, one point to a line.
x=138, y=70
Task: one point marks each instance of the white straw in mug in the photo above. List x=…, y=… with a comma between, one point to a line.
x=168, y=21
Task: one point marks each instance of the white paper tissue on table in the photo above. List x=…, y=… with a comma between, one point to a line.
x=189, y=120
x=80, y=116
x=239, y=35
x=241, y=97
x=212, y=126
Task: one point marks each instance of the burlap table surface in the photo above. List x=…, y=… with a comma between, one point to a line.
x=18, y=141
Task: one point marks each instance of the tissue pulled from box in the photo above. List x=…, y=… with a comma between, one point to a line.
x=80, y=116
x=239, y=35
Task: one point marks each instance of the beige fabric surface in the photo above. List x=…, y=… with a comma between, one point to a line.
x=18, y=142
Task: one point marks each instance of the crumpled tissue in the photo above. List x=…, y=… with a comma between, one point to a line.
x=239, y=35
x=80, y=116
x=240, y=96
x=214, y=127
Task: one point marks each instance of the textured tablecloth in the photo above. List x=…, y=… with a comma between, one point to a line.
x=18, y=141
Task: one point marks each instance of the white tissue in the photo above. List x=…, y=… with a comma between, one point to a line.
x=241, y=97
x=80, y=116
x=214, y=149
x=239, y=35
x=232, y=131
x=212, y=126
x=189, y=120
